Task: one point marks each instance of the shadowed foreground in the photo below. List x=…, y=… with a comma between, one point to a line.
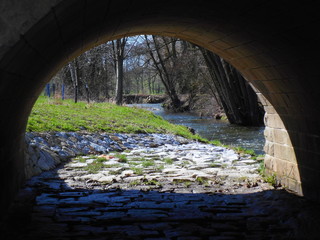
x=48, y=208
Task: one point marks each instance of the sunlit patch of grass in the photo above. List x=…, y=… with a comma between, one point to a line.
x=187, y=183
x=131, y=163
x=101, y=159
x=80, y=159
x=135, y=183
x=168, y=160
x=180, y=181
x=137, y=170
x=223, y=166
x=185, y=164
x=65, y=115
x=148, y=163
x=201, y=180
x=144, y=181
x=151, y=182
x=271, y=179
x=94, y=167
x=244, y=150
x=122, y=158
x=160, y=167
x=216, y=142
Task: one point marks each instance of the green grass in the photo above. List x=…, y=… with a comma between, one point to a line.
x=94, y=167
x=160, y=167
x=239, y=150
x=137, y=170
x=135, y=183
x=122, y=158
x=101, y=159
x=216, y=142
x=202, y=181
x=168, y=160
x=80, y=159
x=244, y=151
x=269, y=178
x=145, y=182
x=56, y=115
x=148, y=163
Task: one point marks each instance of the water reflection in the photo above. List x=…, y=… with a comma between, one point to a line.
x=247, y=137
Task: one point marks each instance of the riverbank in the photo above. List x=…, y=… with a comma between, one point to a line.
x=66, y=116
x=231, y=135
x=45, y=151
x=203, y=105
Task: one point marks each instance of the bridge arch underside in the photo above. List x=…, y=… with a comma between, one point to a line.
x=272, y=46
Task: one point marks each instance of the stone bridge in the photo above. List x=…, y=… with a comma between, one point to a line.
x=274, y=44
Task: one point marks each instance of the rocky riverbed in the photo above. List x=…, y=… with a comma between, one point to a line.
x=166, y=163
x=150, y=186
x=143, y=161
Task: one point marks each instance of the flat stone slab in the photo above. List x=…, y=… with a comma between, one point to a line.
x=168, y=191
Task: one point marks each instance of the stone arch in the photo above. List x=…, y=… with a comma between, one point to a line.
x=270, y=44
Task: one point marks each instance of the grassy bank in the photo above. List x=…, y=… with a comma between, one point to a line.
x=57, y=115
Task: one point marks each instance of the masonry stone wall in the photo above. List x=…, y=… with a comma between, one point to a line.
x=280, y=158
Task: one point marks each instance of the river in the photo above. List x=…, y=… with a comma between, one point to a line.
x=212, y=129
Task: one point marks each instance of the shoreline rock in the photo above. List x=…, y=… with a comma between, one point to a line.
x=165, y=160
x=44, y=151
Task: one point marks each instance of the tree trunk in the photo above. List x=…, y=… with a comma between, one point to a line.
x=238, y=98
x=118, y=49
x=106, y=80
x=74, y=79
x=119, y=83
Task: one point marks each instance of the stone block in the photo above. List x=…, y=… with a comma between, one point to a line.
x=295, y=186
x=270, y=109
x=269, y=162
x=281, y=136
x=264, y=101
x=268, y=133
x=292, y=171
x=280, y=167
x=269, y=148
x=291, y=184
x=274, y=121
x=284, y=152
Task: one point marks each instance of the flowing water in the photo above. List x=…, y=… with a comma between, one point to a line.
x=212, y=129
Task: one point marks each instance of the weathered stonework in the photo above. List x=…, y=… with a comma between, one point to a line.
x=280, y=158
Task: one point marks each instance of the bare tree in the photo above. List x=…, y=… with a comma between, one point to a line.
x=73, y=68
x=238, y=98
x=167, y=79
x=118, y=47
